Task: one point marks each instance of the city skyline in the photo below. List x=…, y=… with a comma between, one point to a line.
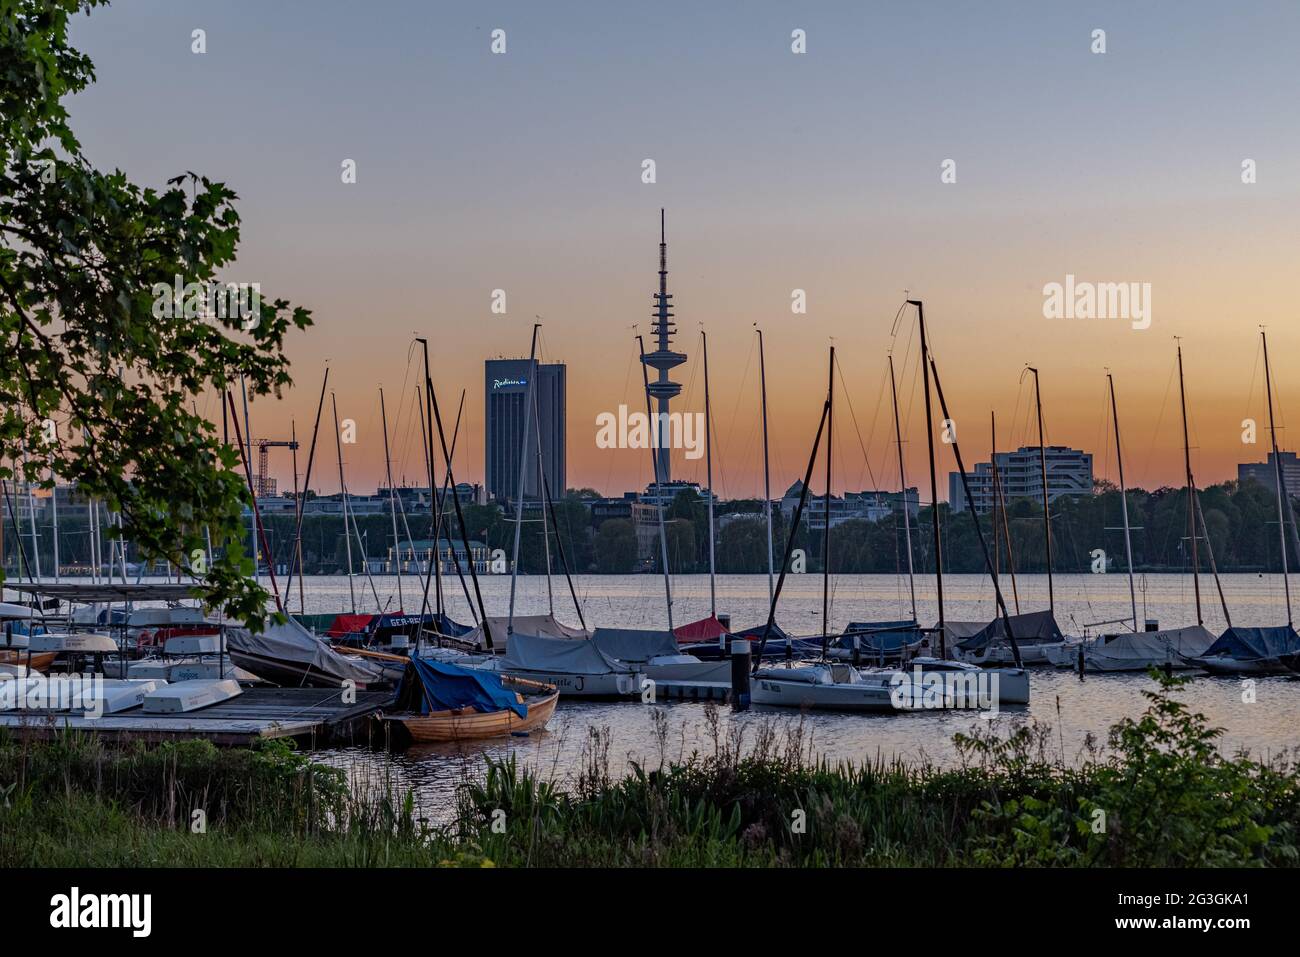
x=819, y=172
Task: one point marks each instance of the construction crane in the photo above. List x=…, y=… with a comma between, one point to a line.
x=265, y=484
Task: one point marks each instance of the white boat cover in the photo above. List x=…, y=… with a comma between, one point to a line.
x=635, y=644
x=154, y=617
x=559, y=656
x=543, y=626
x=294, y=643
x=1153, y=647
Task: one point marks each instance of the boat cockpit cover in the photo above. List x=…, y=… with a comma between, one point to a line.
x=634, y=644
x=349, y=625
x=544, y=626
x=1252, y=644
x=294, y=643
x=429, y=685
x=955, y=631
x=880, y=635
x=706, y=629
x=1143, y=646
x=558, y=655
x=445, y=625
x=756, y=633
x=1035, y=627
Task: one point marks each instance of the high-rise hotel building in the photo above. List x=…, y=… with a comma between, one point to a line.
x=506, y=403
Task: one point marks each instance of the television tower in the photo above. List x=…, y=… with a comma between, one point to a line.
x=663, y=389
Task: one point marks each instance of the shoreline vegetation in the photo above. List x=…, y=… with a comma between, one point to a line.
x=1158, y=793
x=1237, y=515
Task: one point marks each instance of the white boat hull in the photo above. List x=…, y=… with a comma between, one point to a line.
x=692, y=670
x=1000, y=653
x=185, y=696
x=870, y=696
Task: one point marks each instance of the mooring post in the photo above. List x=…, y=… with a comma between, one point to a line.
x=740, y=663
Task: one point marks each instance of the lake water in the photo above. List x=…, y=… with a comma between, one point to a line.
x=1074, y=708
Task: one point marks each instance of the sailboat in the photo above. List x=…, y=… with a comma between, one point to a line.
x=888, y=642
x=1006, y=685
x=707, y=639
x=822, y=684
x=659, y=654
x=540, y=648
x=1138, y=650
x=1270, y=650
x=1038, y=635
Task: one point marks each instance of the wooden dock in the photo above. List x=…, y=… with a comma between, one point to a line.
x=314, y=715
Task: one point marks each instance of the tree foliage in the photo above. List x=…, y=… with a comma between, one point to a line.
x=96, y=386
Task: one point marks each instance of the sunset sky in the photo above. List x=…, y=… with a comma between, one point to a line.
x=779, y=171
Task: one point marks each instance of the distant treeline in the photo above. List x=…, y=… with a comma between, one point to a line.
x=1241, y=519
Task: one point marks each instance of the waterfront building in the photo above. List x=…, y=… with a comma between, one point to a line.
x=1265, y=473
x=415, y=557
x=1020, y=474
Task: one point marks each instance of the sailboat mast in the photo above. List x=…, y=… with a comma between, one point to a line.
x=1191, y=491
x=296, y=558
x=392, y=499
x=993, y=480
x=1000, y=504
x=659, y=506
x=435, y=418
x=767, y=478
x=523, y=474
x=826, y=510
x=1277, y=477
x=54, y=515
x=343, y=492
x=31, y=519
x=934, y=482
x=1123, y=500
x=297, y=540
x=248, y=470
x=708, y=468
x=541, y=486
x=902, y=485
x=1047, y=506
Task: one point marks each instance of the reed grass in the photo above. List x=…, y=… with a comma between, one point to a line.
x=1159, y=794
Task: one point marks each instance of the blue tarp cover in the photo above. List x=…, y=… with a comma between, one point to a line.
x=880, y=635
x=449, y=627
x=776, y=641
x=439, y=686
x=1251, y=644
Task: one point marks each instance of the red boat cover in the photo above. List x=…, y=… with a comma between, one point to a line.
x=349, y=625
x=706, y=629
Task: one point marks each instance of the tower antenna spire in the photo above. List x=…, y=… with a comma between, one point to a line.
x=661, y=388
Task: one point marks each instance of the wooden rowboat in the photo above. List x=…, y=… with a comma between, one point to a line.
x=40, y=660
x=468, y=724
